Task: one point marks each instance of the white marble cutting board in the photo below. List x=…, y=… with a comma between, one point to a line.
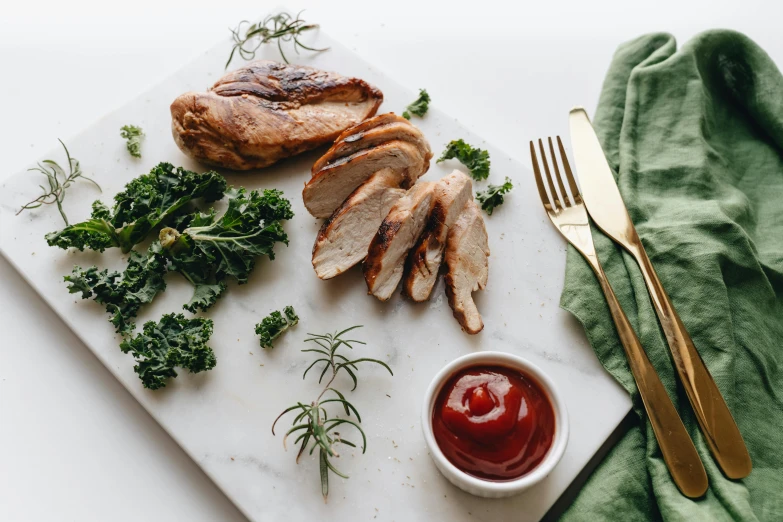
x=222, y=418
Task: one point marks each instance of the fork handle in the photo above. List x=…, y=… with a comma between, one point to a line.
x=677, y=448
x=720, y=430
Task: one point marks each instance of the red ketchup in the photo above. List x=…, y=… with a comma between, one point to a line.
x=493, y=422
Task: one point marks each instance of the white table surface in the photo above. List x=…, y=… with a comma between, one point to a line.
x=74, y=445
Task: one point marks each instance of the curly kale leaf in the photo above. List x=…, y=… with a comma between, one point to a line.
x=211, y=249
x=172, y=342
x=272, y=326
x=493, y=196
x=476, y=160
x=147, y=201
x=123, y=294
x=419, y=107
x=132, y=134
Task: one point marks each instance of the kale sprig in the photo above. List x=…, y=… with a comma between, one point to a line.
x=419, y=107
x=172, y=342
x=475, y=159
x=312, y=421
x=273, y=325
x=58, y=182
x=123, y=294
x=211, y=249
x=492, y=197
x=133, y=135
x=146, y=202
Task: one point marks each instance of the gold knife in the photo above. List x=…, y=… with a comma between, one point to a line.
x=606, y=208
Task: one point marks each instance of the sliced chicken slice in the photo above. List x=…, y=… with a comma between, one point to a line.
x=399, y=231
x=332, y=185
x=451, y=193
x=467, y=266
x=372, y=132
x=266, y=111
x=344, y=239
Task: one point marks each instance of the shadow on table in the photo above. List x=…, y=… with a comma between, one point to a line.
x=568, y=496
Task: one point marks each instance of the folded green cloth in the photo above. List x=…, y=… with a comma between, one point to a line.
x=696, y=138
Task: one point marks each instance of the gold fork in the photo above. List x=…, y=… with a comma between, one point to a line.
x=569, y=215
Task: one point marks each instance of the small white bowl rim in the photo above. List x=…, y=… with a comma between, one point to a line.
x=561, y=422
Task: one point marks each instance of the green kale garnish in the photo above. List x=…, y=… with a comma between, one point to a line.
x=273, y=325
x=418, y=107
x=476, y=160
x=172, y=342
x=133, y=135
x=123, y=294
x=493, y=196
x=147, y=201
x=212, y=249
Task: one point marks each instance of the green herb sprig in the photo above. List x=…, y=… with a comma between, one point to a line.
x=419, y=107
x=282, y=27
x=312, y=422
x=273, y=325
x=59, y=182
x=133, y=135
x=493, y=196
x=475, y=159
x=174, y=341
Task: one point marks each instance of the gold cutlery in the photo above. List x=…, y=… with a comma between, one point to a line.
x=607, y=209
x=569, y=215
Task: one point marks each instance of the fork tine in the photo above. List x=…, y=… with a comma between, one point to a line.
x=566, y=200
x=539, y=181
x=569, y=174
x=552, y=190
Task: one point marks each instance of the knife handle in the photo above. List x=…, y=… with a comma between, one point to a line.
x=712, y=413
x=677, y=448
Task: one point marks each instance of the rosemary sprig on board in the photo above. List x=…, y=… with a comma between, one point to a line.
x=281, y=27
x=58, y=181
x=312, y=421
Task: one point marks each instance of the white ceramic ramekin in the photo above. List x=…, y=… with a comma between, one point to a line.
x=475, y=485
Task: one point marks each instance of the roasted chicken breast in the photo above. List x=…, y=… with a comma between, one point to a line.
x=344, y=239
x=467, y=266
x=267, y=111
x=451, y=193
x=397, y=234
x=372, y=132
x=334, y=183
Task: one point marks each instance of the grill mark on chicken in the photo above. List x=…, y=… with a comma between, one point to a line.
x=332, y=185
x=345, y=237
x=423, y=263
x=398, y=232
x=384, y=141
x=371, y=132
x=266, y=111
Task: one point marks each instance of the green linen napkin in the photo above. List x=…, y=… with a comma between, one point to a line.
x=696, y=139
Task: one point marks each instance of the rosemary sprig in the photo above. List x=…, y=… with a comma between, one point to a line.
x=281, y=27
x=312, y=421
x=59, y=181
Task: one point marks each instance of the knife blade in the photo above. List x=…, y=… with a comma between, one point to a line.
x=607, y=209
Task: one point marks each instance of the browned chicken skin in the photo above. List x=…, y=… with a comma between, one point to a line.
x=383, y=142
x=452, y=192
x=267, y=111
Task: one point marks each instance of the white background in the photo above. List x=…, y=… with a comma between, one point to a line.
x=74, y=445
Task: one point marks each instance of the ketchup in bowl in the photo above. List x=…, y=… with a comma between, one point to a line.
x=493, y=422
